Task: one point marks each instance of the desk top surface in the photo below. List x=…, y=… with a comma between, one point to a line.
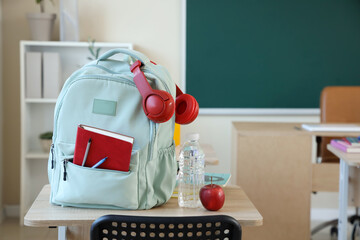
x=283, y=128
x=42, y=213
x=353, y=159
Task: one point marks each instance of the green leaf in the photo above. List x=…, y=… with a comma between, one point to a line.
x=92, y=51
x=97, y=53
x=38, y=1
x=46, y=135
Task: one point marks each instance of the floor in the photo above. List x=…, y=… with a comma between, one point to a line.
x=325, y=233
x=10, y=230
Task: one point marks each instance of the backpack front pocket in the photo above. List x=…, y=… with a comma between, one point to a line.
x=97, y=188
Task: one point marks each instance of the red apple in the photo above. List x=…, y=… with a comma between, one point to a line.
x=212, y=197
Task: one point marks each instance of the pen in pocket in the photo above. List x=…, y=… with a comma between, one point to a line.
x=99, y=162
x=86, y=152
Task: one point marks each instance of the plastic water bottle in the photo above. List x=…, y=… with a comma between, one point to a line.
x=191, y=172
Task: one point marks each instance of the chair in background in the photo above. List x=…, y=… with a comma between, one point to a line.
x=142, y=227
x=338, y=104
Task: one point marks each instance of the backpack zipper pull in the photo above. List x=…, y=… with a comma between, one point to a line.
x=52, y=156
x=64, y=162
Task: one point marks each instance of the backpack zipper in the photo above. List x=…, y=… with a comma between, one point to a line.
x=52, y=155
x=65, y=161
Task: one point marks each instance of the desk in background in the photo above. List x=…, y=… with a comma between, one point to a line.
x=79, y=220
x=273, y=164
x=347, y=160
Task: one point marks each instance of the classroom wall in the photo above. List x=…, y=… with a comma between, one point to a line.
x=14, y=29
x=154, y=27
x=1, y=120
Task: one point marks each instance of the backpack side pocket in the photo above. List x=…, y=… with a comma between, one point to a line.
x=165, y=177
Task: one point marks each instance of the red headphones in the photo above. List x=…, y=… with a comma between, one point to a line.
x=159, y=105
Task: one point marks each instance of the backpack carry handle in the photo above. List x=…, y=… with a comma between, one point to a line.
x=132, y=53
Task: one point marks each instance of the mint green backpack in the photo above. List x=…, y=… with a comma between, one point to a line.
x=102, y=94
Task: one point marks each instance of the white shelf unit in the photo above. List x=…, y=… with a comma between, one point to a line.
x=37, y=113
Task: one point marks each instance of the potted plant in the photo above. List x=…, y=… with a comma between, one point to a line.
x=41, y=23
x=46, y=140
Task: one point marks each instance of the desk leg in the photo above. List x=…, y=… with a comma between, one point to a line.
x=78, y=232
x=343, y=199
x=61, y=232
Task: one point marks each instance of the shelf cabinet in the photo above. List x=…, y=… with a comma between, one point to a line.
x=37, y=114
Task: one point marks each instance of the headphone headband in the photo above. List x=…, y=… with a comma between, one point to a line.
x=159, y=105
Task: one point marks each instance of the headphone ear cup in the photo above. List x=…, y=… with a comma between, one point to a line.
x=159, y=106
x=186, y=109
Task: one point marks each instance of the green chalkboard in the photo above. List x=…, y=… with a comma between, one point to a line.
x=270, y=54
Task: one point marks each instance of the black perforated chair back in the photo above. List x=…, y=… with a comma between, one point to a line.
x=111, y=227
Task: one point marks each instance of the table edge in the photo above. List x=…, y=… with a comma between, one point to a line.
x=42, y=223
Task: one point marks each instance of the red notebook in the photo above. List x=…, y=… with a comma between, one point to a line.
x=116, y=147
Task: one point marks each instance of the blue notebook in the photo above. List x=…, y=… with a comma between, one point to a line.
x=218, y=178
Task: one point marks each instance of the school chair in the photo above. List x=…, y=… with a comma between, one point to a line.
x=338, y=104
x=143, y=227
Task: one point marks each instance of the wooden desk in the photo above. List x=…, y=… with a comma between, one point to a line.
x=273, y=164
x=79, y=220
x=346, y=160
